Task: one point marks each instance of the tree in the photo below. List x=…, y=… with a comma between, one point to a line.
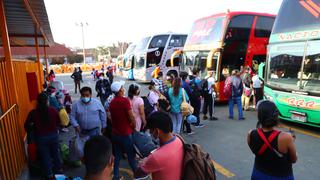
x=75, y=59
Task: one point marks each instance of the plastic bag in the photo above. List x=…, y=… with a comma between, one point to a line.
x=64, y=118
x=76, y=147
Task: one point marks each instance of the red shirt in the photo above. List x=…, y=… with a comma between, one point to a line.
x=42, y=129
x=119, y=109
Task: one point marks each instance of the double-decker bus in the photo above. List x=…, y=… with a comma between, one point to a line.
x=156, y=51
x=225, y=42
x=292, y=71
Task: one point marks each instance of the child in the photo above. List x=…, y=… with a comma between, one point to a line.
x=67, y=102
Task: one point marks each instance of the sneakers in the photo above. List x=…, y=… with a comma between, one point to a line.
x=205, y=117
x=190, y=133
x=199, y=125
x=230, y=117
x=213, y=118
x=65, y=130
x=242, y=118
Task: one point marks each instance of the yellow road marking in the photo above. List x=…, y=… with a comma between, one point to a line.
x=223, y=170
x=301, y=131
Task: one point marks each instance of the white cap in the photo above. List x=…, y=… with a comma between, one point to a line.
x=116, y=86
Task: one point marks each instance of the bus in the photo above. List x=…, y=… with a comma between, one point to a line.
x=292, y=70
x=155, y=51
x=127, y=69
x=225, y=42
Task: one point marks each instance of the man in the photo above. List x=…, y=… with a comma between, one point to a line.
x=87, y=115
x=123, y=124
x=237, y=89
x=167, y=161
x=160, y=84
x=77, y=78
x=98, y=158
x=208, y=89
x=257, y=88
x=103, y=88
x=187, y=88
x=195, y=85
x=110, y=74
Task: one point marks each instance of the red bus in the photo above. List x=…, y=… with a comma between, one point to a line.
x=225, y=42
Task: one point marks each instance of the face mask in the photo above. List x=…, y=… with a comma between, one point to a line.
x=53, y=94
x=85, y=99
x=100, y=77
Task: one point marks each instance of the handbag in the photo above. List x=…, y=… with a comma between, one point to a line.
x=64, y=118
x=247, y=91
x=185, y=107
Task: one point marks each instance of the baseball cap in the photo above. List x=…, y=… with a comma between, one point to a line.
x=116, y=86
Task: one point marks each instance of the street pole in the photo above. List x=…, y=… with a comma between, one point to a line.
x=83, y=49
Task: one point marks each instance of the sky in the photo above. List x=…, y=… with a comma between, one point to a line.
x=111, y=21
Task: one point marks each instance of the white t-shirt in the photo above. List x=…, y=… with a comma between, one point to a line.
x=256, y=82
x=153, y=99
x=211, y=81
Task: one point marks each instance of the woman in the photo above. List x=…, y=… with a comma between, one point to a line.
x=247, y=88
x=51, y=76
x=153, y=95
x=137, y=106
x=175, y=94
x=44, y=122
x=274, y=161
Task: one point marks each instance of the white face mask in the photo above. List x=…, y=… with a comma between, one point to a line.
x=100, y=77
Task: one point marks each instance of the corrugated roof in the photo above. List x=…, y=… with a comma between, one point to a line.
x=21, y=25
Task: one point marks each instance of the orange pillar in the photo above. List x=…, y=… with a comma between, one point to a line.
x=46, y=59
x=12, y=97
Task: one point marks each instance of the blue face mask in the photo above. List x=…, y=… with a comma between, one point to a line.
x=85, y=99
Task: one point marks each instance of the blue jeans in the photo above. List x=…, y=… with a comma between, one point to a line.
x=48, y=149
x=232, y=101
x=92, y=132
x=257, y=175
x=123, y=143
x=176, y=121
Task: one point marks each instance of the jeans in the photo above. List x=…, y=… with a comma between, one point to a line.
x=257, y=175
x=196, y=104
x=123, y=143
x=48, y=149
x=76, y=86
x=208, y=103
x=91, y=132
x=103, y=99
x=232, y=101
x=176, y=121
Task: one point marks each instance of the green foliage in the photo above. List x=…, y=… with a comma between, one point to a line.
x=75, y=59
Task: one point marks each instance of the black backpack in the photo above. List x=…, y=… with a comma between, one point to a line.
x=105, y=85
x=204, y=87
x=148, y=107
x=196, y=92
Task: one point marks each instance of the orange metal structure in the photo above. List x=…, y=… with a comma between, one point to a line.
x=30, y=24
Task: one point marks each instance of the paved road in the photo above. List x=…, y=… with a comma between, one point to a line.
x=225, y=140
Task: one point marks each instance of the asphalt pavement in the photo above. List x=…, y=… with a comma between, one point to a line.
x=225, y=141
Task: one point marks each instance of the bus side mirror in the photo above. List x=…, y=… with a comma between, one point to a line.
x=261, y=70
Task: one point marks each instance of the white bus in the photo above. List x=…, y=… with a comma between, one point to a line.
x=156, y=50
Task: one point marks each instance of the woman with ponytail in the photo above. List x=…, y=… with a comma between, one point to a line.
x=44, y=122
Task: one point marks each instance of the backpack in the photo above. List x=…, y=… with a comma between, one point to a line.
x=148, y=107
x=197, y=164
x=227, y=89
x=204, y=87
x=196, y=93
x=105, y=86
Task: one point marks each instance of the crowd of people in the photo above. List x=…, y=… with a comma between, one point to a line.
x=115, y=124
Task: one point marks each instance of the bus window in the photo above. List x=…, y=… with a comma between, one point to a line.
x=159, y=41
x=311, y=68
x=177, y=40
x=294, y=17
x=264, y=26
x=239, y=28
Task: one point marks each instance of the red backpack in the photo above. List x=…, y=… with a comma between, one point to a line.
x=227, y=89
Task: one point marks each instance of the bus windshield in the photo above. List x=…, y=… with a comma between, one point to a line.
x=297, y=15
x=142, y=45
x=130, y=49
x=198, y=60
x=295, y=66
x=206, y=32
